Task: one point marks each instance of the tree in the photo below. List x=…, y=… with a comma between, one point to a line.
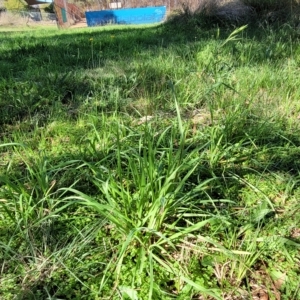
x=49, y=8
x=15, y=4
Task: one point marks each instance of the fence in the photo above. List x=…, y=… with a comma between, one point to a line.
x=71, y=12
x=171, y=5
x=27, y=17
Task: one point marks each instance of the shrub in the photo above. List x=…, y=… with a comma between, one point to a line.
x=50, y=8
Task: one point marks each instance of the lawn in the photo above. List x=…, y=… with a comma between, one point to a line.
x=156, y=162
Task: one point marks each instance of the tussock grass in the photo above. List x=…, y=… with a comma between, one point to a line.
x=228, y=12
x=150, y=163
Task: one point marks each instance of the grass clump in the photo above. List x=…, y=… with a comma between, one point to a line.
x=239, y=12
x=150, y=163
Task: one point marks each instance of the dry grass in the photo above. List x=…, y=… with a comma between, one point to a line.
x=16, y=19
x=233, y=10
x=243, y=10
x=7, y=19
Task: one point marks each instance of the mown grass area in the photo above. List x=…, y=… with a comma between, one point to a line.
x=150, y=163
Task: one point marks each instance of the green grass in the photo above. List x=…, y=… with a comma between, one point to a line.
x=159, y=162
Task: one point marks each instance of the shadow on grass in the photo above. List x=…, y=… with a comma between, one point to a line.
x=79, y=170
x=90, y=48
x=43, y=75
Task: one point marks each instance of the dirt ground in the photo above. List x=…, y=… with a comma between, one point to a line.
x=80, y=24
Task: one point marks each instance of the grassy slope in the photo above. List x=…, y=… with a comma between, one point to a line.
x=200, y=201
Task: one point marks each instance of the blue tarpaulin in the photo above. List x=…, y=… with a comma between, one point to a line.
x=143, y=15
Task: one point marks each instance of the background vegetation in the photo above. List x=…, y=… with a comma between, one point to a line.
x=153, y=162
x=14, y=4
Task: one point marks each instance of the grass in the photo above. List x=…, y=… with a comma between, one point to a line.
x=153, y=162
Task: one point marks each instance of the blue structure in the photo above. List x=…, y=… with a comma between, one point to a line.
x=143, y=15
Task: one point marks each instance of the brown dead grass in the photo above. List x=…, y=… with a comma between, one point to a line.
x=243, y=10
x=16, y=20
